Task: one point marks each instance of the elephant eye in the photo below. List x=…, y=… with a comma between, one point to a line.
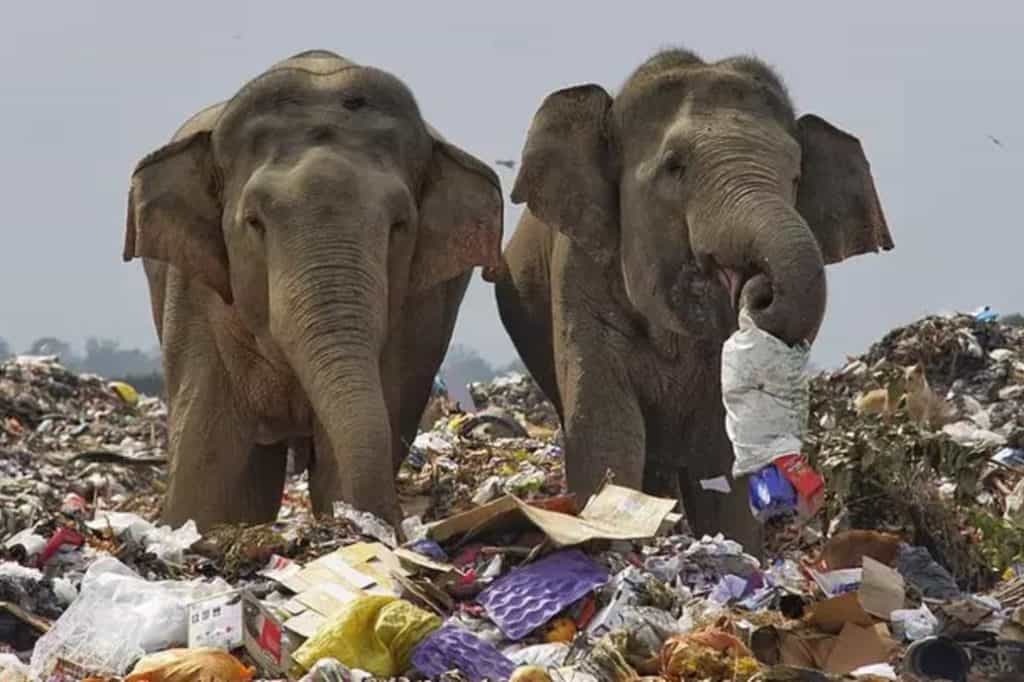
x=674, y=165
x=354, y=103
x=253, y=222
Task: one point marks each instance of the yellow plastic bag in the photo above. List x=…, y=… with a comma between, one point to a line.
x=126, y=392
x=373, y=633
x=190, y=665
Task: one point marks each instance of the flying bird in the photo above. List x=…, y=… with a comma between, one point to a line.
x=995, y=141
x=506, y=163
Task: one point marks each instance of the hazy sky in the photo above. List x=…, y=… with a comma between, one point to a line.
x=89, y=87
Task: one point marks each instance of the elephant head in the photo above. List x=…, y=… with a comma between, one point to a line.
x=698, y=181
x=314, y=203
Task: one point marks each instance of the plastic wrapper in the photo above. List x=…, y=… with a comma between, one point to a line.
x=162, y=541
x=366, y=523
x=531, y=673
x=117, y=618
x=707, y=654
x=125, y=392
x=190, y=665
x=914, y=624
x=543, y=655
x=605, y=660
x=13, y=670
x=331, y=670
x=648, y=628
x=373, y=633
x=718, y=556
x=918, y=567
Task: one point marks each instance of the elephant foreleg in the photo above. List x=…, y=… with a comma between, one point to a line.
x=218, y=475
x=427, y=328
x=603, y=425
x=522, y=288
x=707, y=454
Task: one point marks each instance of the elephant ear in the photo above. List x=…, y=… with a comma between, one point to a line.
x=174, y=213
x=460, y=217
x=837, y=194
x=566, y=175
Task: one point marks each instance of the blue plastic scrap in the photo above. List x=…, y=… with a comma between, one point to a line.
x=986, y=314
x=771, y=494
x=1010, y=457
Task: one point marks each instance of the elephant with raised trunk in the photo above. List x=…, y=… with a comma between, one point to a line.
x=307, y=244
x=651, y=219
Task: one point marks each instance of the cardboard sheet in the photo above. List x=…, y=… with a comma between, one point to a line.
x=216, y=621
x=880, y=593
x=856, y=647
x=616, y=513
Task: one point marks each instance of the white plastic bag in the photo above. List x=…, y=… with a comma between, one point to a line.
x=914, y=624
x=164, y=543
x=119, y=617
x=13, y=670
x=765, y=391
x=546, y=656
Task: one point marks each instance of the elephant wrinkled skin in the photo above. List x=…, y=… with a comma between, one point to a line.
x=307, y=245
x=651, y=219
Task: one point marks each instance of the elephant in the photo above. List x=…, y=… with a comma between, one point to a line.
x=651, y=219
x=307, y=245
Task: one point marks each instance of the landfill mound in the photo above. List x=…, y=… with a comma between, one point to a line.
x=519, y=394
x=956, y=487
x=67, y=440
x=503, y=575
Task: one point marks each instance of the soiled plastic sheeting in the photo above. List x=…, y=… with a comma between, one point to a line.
x=330, y=670
x=544, y=655
x=765, y=392
x=921, y=570
x=373, y=633
x=914, y=624
x=12, y=669
x=117, y=618
x=161, y=541
x=529, y=597
x=367, y=523
x=453, y=648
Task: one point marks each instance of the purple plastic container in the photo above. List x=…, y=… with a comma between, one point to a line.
x=530, y=596
x=454, y=648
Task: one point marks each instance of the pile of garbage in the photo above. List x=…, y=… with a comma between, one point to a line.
x=923, y=435
x=519, y=395
x=908, y=572
x=69, y=440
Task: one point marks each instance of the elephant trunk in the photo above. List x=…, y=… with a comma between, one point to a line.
x=785, y=293
x=328, y=312
x=767, y=258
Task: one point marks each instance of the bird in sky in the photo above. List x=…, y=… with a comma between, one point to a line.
x=995, y=141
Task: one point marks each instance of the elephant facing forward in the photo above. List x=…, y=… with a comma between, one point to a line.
x=651, y=219
x=307, y=245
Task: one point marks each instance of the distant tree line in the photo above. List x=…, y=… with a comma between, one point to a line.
x=462, y=365
x=105, y=357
